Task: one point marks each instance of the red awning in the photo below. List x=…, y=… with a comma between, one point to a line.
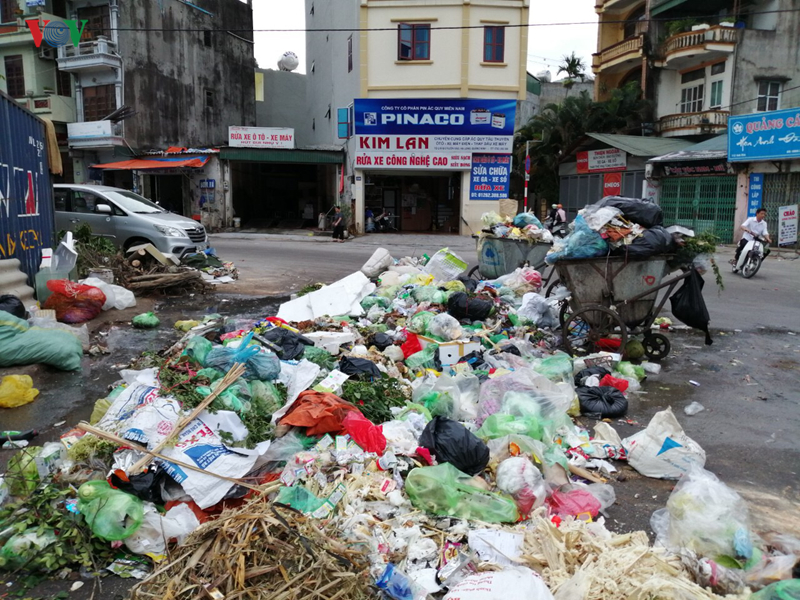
x=155, y=163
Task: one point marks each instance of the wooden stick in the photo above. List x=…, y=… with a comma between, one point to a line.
x=83, y=426
x=231, y=376
x=581, y=472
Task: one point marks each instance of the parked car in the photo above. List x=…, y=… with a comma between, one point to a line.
x=126, y=218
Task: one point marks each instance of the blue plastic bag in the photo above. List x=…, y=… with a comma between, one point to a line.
x=261, y=364
x=583, y=242
x=526, y=218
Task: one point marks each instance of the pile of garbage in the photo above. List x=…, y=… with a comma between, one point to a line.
x=524, y=226
x=404, y=429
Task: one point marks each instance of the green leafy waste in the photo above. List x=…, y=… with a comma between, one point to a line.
x=701, y=244
x=376, y=398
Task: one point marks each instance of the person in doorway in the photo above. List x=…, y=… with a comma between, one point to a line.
x=338, y=225
x=753, y=227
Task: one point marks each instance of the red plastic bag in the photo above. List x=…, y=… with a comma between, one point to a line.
x=74, y=302
x=411, y=345
x=576, y=503
x=620, y=384
x=365, y=433
x=318, y=412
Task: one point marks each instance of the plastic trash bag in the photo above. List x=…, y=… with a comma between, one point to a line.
x=453, y=443
x=287, y=345
x=780, y=590
x=581, y=243
x=371, y=301
x=597, y=217
x=382, y=341
x=494, y=390
x=501, y=425
x=429, y=293
x=536, y=309
x=419, y=322
x=436, y=394
x=689, y=307
x=520, y=479
x=491, y=218
x=445, y=327
x=576, y=502
x=527, y=218
x=22, y=474
x=146, y=320
x=23, y=550
x=462, y=307
x=605, y=401
x=197, y=349
x=610, y=381
x=424, y=359
x=582, y=375
x=116, y=296
x=646, y=214
x=260, y=363
x=318, y=412
x=299, y=498
x=24, y=345
x=652, y=242
x=320, y=356
x=12, y=305
x=557, y=367
x=377, y=263
x=81, y=332
x=705, y=516
x=365, y=433
x=375, y=314
x=17, y=390
x=359, y=368
x=445, y=491
x=73, y=302
x=110, y=514
x=157, y=530
x=630, y=370
x=662, y=450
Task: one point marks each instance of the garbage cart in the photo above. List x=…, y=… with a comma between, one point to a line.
x=500, y=256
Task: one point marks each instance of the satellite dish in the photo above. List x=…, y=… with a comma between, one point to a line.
x=288, y=62
x=543, y=76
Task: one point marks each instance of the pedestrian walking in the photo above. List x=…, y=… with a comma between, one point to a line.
x=338, y=225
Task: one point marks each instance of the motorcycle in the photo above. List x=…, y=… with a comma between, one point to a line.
x=383, y=222
x=751, y=257
x=559, y=230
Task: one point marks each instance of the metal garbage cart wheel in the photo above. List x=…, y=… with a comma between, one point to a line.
x=552, y=287
x=656, y=346
x=583, y=330
x=475, y=273
x=564, y=313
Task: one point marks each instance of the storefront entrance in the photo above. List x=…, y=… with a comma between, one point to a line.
x=701, y=203
x=416, y=201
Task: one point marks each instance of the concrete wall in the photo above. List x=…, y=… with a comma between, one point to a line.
x=554, y=92
x=284, y=95
x=166, y=75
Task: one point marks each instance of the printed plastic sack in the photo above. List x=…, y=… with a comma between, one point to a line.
x=461, y=306
x=110, y=514
x=453, y=443
x=116, y=296
x=705, y=516
x=656, y=240
x=365, y=433
x=445, y=327
x=12, y=305
x=605, y=401
x=261, y=364
x=510, y=583
x=445, y=491
x=581, y=243
x=689, y=307
x=663, y=450
x=73, y=302
x=24, y=345
x=146, y=320
x=17, y=390
x=646, y=214
x=445, y=265
x=517, y=477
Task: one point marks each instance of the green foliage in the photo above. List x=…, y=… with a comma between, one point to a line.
x=311, y=287
x=680, y=26
x=92, y=447
x=701, y=244
x=572, y=65
x=375, y=398
x=93, y=251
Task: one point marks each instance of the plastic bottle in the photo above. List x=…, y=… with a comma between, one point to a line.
x=398, y=586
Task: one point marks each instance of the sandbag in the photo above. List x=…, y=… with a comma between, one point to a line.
x=652, y=242
x=689, y=307
x=605, y=401
x=646, y=214
x=12, y=305
x=461, y=306
x=453, y=443
x=359, y=368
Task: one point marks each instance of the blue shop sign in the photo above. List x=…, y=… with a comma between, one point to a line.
x=490, y=176
x=773, y=135
x=756, y=193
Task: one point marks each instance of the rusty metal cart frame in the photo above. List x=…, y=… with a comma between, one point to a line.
x=615, y=296
x=528, y=255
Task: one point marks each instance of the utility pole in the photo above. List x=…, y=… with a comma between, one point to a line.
x=527, y=172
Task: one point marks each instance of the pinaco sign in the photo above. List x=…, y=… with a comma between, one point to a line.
x=56, y=33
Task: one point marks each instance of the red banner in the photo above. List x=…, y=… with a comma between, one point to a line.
x=612, y=184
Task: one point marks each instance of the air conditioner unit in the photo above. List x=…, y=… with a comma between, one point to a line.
x=48, y=53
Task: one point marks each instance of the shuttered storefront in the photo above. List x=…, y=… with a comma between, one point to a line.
x=700, y=203
x=780, y=189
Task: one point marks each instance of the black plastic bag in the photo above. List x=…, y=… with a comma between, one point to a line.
x=689, y=307
x=359, y=368
x=605, y=401
x=468, y=282
x=461, y=306
x=475, y=360
x=653, y=241
x=145, y=486
x=382, y=341
x=638, y=211
x=13, y=305
x=288, y=345
x=583, y=374
x=449, y=441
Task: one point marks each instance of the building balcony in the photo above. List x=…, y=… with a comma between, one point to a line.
x=698, y=123
x=96, y=55
x=619, y=57
x=613, y=6
x=59, y=109
x=94, y=135
x=683, y=50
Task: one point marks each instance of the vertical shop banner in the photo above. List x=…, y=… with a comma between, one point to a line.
x=490, y=176
x=612, y=184
x=787, y=225
x=756, y=193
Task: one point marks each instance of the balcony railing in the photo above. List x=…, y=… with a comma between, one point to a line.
x=707, y=120
x=86, y=56
x=698, y=39
x=631, y=46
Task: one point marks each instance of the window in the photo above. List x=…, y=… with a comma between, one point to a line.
x=350, y=54
x=718, y=68
x=85, y=202
x=60, y=199
x=695, y=75
x=7, y=8
x=494, y=39
x=716, y=95
x=768, y=95
x=692, y=99
x=99, y=102
x=209, y=99
x=344, y=123
x=632, y=26
x=15, y=76
x=413, y=41
x=207, y=38
x=63, y=83
x=99, y=22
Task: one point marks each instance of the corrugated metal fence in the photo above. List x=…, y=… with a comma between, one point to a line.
x=701, y=203
x=26, y=190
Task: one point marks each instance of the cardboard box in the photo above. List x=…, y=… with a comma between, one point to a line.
x=451, y=352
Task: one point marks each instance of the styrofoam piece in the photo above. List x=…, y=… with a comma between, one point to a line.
x=451, y=352
x=331, y=340
x=340, y=298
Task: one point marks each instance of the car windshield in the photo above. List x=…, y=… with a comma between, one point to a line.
x=134, y=203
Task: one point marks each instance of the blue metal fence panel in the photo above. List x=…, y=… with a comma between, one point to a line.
x=26, y=190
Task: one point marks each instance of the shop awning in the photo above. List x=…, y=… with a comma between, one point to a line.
x=293, y=156
x=155, y=163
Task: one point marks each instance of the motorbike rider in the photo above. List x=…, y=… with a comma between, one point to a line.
x=552, y=216
x=753, y=227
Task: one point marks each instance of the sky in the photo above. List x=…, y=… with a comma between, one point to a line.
x=546, y=45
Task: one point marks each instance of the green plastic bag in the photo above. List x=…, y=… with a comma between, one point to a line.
x=146, y=320
x=390, y=291
x=455, y=286
x=788, y=589
x=419, y=322
x=112, y=515
x=371, y=301
x=429, y=293
x=299, y=498
x=235, y=398
x=266, y=398
x=22, y=475
x=211, y=374
x=197, y=349
x=443, y=490
x=103, y=404
x=438, y=403
x=630, y=370
x=424, y=359
x=23, y=550
x=24, y=345
x=320, y=357
x=557, y=367
x=498, y=425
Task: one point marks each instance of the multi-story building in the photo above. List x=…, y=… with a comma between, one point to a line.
x=395, y=66
x=183, y=70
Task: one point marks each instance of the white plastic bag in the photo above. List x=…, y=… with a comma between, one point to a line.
x=538, y=310
x=520, y=479
x=446, y=327
x=663, y=450
x=511, y=583
x=116, y=296
x=82, y=332
x=377, y=263
x=155, y=532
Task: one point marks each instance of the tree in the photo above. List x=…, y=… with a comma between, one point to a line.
x=574, y=67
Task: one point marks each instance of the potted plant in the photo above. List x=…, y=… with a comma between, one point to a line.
x=680, y=26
